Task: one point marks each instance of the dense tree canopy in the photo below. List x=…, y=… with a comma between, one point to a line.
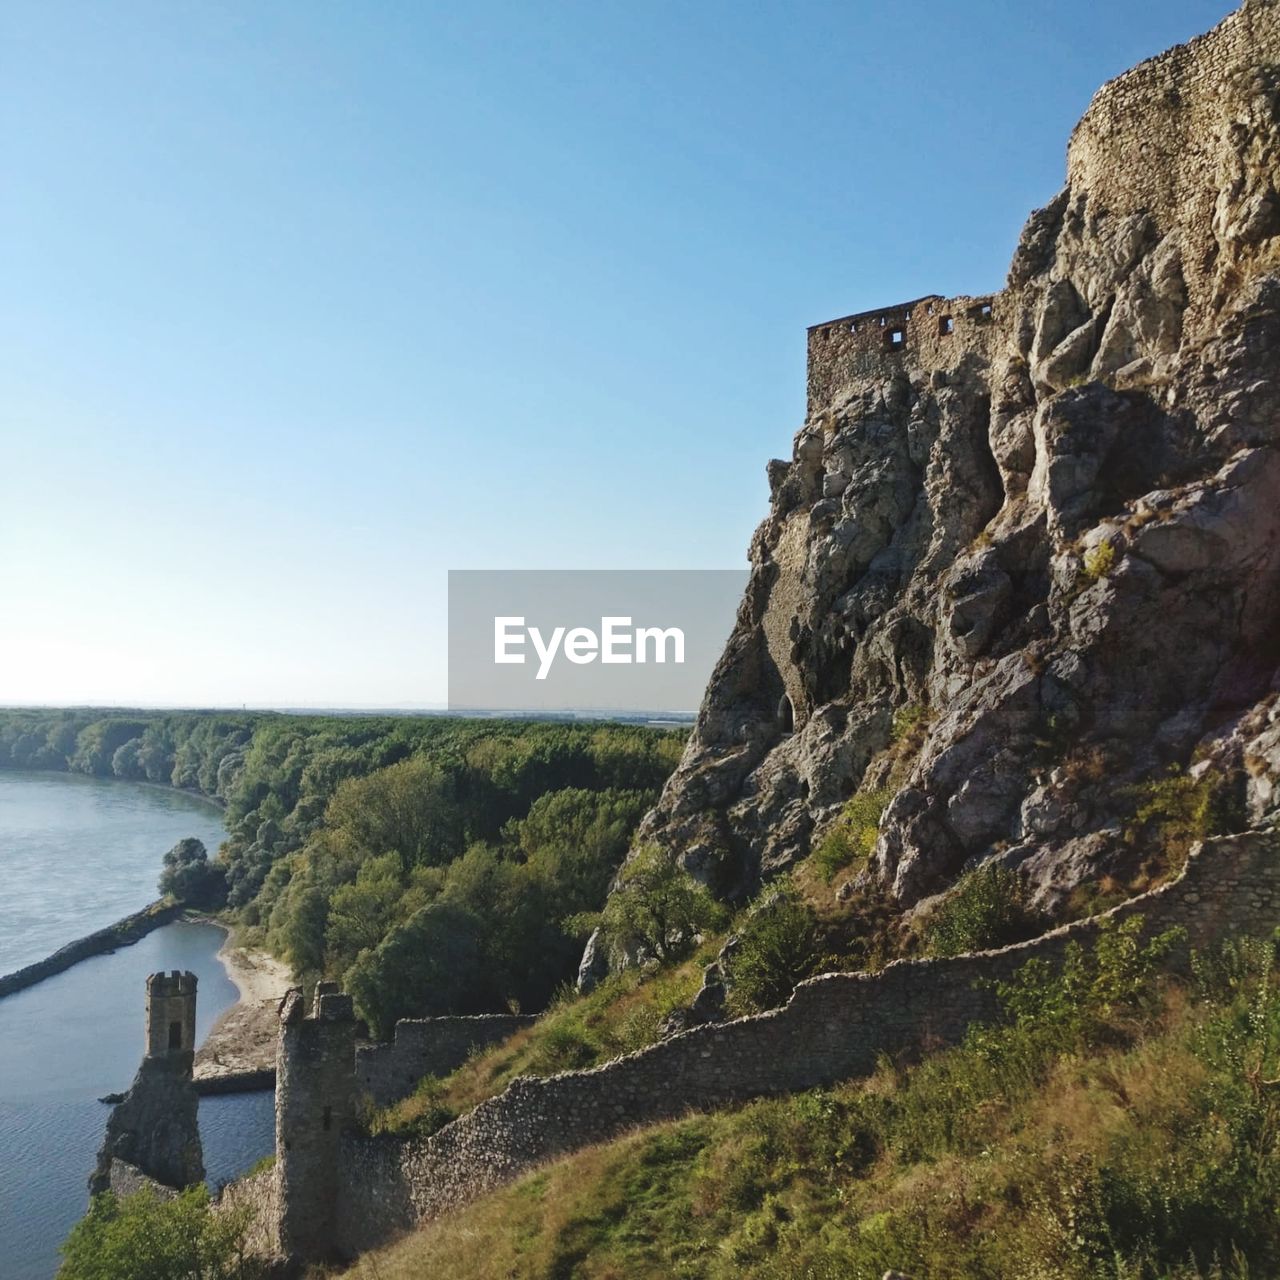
x=433, y=864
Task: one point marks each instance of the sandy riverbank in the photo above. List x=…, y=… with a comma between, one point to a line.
x=240, y=1049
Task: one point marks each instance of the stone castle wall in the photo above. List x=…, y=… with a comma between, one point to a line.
x=933, y=332
x=834, y=1028
x=1151, y=144
x=315, y=1105
x=428, y=1047
x=1157, y=147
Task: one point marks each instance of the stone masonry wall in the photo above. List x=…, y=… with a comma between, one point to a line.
x=1150, y=142
x=1149, y=150
x=834, y=1028
x=428, y=1047
x=935, y=332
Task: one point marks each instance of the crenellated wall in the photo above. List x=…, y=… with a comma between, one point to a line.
x=428, y=1047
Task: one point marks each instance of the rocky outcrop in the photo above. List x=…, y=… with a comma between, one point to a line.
x=1044, y=524
x=155, y=1129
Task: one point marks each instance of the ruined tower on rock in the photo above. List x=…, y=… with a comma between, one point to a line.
x=315, y=1104
x=171, y=1017
x=155, y=1128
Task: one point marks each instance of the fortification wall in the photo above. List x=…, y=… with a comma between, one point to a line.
x=1159, y=140
x=259, y=1196
x=1177, y=147
x=932, y=333
x=428, y=1047
x=834, y=1028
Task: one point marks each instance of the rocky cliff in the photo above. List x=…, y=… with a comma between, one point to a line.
x=1040, y=529
x=154, y=1129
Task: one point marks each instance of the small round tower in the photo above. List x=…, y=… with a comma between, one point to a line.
x=315, y=1103
x=171, y=1017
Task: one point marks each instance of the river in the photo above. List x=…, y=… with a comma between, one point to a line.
x=76, y=854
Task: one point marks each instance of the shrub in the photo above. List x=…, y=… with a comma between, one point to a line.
x=1099, y=561
x=1065, y=1008
x=853, y=835
x=1176, y=811
x=778, y=945
x=142, y=1237
x=657, y=907
x=984, y=910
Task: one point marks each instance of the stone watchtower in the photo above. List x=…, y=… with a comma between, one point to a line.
x=155, y=1127
x=171, y=1017
x=315, y=1103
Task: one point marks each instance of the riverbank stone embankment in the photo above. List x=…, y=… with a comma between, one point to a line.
x=101, y=942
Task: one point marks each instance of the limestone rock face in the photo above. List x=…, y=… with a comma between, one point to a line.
x=1044, y=524
x=155, y=1129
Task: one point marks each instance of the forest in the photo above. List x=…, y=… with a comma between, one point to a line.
x=432, y=864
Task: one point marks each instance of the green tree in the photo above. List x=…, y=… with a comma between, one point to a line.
x=428, y=966
x=142, y=1237
x=408, y=808
x=657, y=907
x=361, y=914
x=190, y=877
x=302, y=933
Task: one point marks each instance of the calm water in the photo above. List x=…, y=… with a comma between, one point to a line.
x=78, y=1035
x=78, y=853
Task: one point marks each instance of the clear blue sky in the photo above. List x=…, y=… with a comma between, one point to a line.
x=307, y=302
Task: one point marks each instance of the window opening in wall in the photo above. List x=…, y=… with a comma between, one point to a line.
x=946, y=325
x=175, y=1035
x=896, y=339
x=786, y=716
x=328, y=1119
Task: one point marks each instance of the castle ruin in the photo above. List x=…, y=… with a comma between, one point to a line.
x=154, y=1130
x=315, y=1105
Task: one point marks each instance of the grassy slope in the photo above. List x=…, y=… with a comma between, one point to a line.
x=1140, y=1141
x=623, y=1014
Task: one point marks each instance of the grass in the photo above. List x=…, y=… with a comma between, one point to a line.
x=852, y=837
x=1120, y=1126
x=623, y=1014
x=1099, y=561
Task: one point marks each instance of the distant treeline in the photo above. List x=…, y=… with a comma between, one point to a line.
x=433, y=864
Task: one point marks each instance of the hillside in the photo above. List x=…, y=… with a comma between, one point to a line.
x=1119, y=1125
x=1039, y=524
